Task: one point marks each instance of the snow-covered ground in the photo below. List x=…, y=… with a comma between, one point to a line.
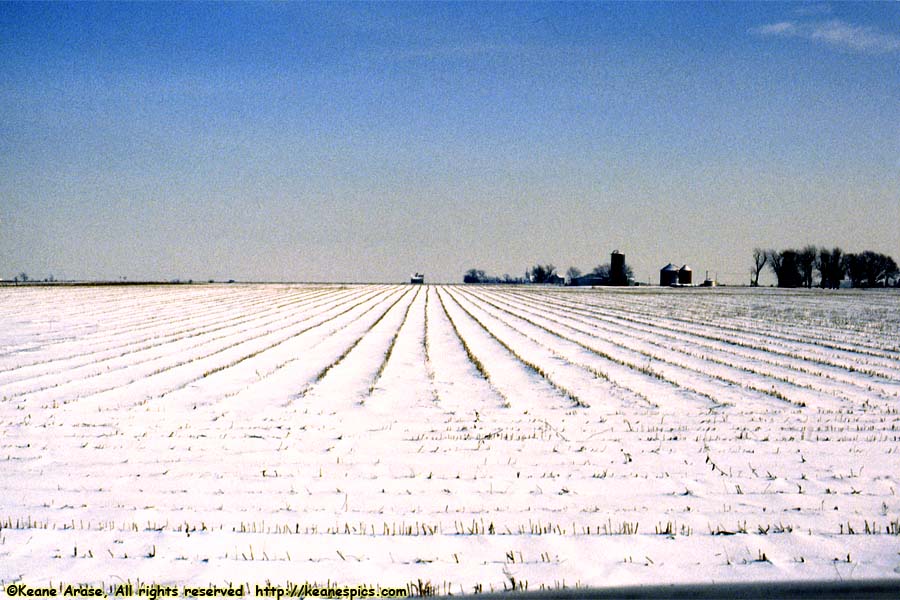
x=466, y=438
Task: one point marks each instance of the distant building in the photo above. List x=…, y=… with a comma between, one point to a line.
x=685, y=275
x=708, y=282
x=589, y=280
x=668, y=275
x=417, y=278
x=617, y=273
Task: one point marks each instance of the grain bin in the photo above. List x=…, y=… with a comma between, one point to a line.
x=668, y=275
x=685, y=275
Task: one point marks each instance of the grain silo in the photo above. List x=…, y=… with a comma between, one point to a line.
x=617, y=275
x=668, y=275
x=685, y=275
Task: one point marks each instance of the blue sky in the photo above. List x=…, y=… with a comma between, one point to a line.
x=362, y=141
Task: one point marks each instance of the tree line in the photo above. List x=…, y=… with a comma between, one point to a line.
x=537, y=274
x=23, y=277
x=825, y=267
x=479, y=276
x=547, y=273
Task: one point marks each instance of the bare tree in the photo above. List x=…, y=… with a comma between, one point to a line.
x=542, y=273
x=474, y=276
x=871, y=269
x=573, y=273
x=806, y=262
x=832, y=267
x=785, y=266
x=601, y=272
x=774, y=260
x=760, y=258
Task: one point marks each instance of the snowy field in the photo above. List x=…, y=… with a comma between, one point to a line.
x=448, y=438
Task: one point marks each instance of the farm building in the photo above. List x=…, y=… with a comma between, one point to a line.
x=709, y=282
x=685, y=275
x=417, y=278
x=668, y=275
x=588, y=280
x=617, y=272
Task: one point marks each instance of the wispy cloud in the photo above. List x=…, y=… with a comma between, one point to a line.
x=784, y=28
x=867, y=39
x=836, y=33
